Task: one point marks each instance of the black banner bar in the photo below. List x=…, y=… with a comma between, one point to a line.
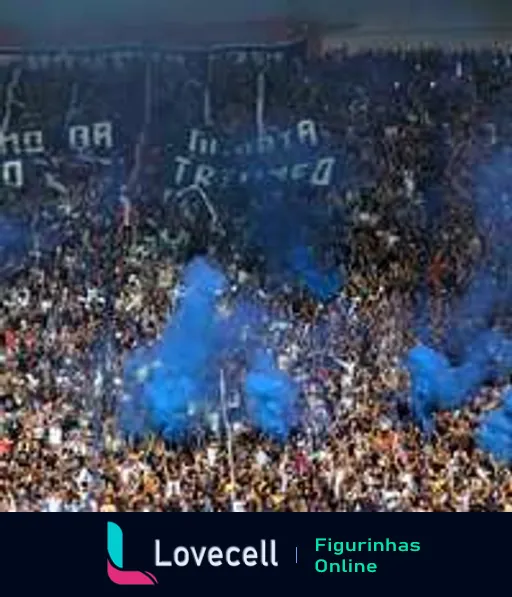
x=328, y=555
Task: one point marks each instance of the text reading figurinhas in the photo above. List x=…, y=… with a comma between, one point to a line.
x=339, y=548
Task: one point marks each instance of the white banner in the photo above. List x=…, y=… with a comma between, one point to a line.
x=291, y=156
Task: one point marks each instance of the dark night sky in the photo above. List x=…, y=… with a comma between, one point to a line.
x=36, y=16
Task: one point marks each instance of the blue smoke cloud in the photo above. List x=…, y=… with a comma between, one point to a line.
x=296, y=237
x=45, y=230
x=436, y=385
x=181, y=372
x=482, y=352
x=11, y=233
x=172, y=383
x=288, y=225
x=323, y=284
x=271, y=396
x=14, y=243
x=495, y=432
x=174, y=374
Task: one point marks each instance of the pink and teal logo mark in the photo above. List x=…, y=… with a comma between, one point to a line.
x=115, y=570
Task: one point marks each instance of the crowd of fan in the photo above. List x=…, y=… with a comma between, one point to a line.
x=413, y=126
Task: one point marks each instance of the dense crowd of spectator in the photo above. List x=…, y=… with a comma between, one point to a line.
x=413, y=126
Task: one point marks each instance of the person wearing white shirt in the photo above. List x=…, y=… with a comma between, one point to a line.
x=173, y=488
x=84, y=477
x=55, y=435
x=261, y=458
x=211, y=454
x=238, y=506
x=53, y=504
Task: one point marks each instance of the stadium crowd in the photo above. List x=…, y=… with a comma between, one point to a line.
x=413, y=126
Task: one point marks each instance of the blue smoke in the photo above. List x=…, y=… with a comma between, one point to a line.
x=436, y=385
x=495, y=432
x=175, y=373
x=12, y=233
x=291, y=226
x=482, y=352
x=171, y=384
x=489, y=295
x=19, y=235
x=296, y=238
x=271, y=397
x=323, y=284
x=14, y=243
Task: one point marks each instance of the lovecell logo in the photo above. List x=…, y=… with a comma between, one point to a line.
x=115, y=561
